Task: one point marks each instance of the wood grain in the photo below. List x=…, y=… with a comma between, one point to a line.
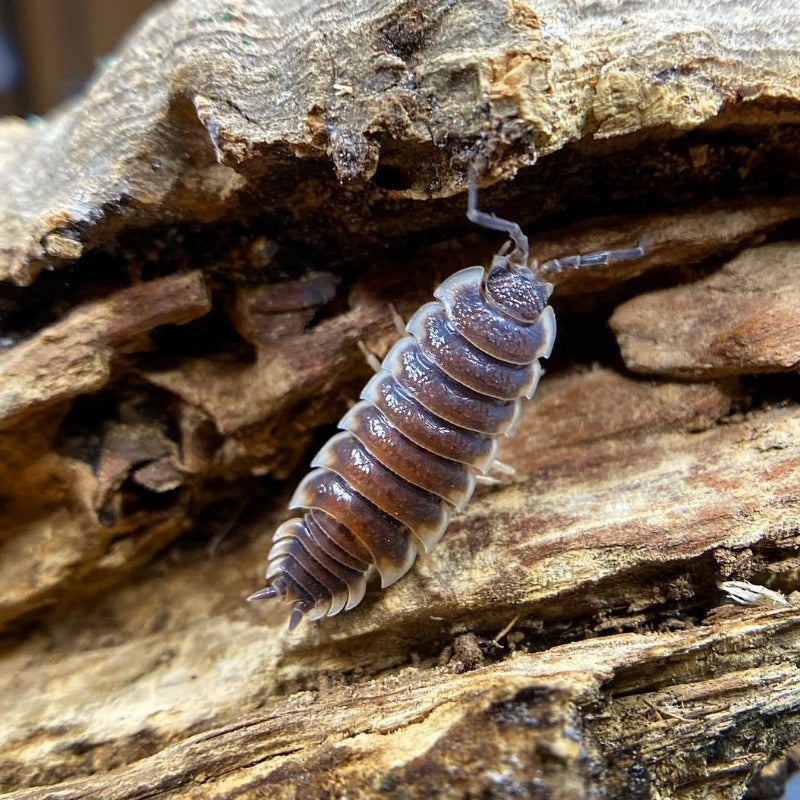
x=190, y=254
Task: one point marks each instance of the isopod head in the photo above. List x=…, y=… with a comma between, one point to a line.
x=513, y=290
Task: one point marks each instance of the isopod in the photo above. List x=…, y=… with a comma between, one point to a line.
x=427, y=424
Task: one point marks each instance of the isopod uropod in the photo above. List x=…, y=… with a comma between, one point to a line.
x=427, y=424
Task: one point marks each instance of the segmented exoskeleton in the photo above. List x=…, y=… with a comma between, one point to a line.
x=426, y=425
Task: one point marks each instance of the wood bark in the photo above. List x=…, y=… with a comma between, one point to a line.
x=191, y=252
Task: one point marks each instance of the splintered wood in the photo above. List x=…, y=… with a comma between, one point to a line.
x=192, y=255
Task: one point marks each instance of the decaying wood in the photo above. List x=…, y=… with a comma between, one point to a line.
x=753, y=301
x=191, y=253
x=574, y=717
x=73, y=356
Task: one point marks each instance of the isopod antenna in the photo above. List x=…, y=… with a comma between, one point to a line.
x=601, y=258
x=520, y=255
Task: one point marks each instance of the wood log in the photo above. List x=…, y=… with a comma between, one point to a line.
x=191, y=252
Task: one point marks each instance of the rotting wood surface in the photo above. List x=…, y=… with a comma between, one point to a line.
x=191, y=252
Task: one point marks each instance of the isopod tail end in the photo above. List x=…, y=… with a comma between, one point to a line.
x=296, y=616
x=267, y=593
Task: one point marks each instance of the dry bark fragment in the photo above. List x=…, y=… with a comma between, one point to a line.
x=399, y=95
x=267, y=313
x=73, y=355
x=130, y=450
x=742, y=319
x=75, y=534
x=574, y=409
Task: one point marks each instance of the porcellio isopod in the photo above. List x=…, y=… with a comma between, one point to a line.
x=427, y=425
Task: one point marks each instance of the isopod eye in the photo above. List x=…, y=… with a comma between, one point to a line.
x=515, y=291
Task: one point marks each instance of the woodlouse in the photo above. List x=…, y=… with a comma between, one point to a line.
x=426, y=426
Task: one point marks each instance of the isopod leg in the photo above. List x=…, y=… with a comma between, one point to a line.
x=504, y=475
x=399, y=322
x=503, y=469
x=427, y=565
x=370, y=357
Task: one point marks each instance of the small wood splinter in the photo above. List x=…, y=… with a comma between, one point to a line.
x=426, y=428
x=751, y=594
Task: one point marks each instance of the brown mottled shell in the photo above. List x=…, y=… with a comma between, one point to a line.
x=408, y=453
